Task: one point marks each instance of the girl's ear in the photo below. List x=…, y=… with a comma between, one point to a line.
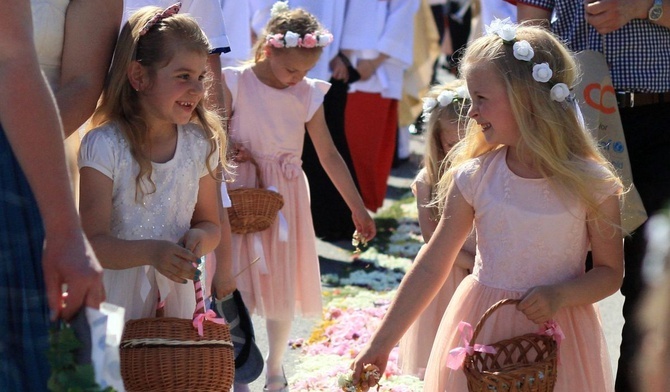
x=137, y=76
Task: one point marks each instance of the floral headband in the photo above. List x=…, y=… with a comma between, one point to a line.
x=293, y=40
x=542, y=73
x=166, y=13
x=446, y=97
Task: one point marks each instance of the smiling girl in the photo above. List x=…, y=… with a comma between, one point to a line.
x=541, y=194
x=148, y=190
x=272, y=104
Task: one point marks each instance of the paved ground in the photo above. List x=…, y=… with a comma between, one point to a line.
x=332, y=255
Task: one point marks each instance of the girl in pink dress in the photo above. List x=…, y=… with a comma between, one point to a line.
x=271, y=104
x=442, y=110
x=541, y=194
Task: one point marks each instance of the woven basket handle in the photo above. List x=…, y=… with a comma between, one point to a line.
x=259, y=179
x=493, y=308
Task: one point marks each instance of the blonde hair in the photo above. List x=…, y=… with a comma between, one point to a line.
x=552, y=135
x=296, y=20
x=119, y=102
x=454, y=111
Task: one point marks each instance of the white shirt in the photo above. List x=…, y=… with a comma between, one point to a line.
x=206, y=12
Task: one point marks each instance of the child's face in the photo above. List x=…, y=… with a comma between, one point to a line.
x=175, y=90
x=490, y=106
x=289, y=66
x=448, y=133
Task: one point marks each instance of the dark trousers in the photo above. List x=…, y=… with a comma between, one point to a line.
x=647, y=131
x=330, y=214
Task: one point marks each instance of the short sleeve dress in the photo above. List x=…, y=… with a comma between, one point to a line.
x=270, y=123
x=164, y=214
x=527, y=236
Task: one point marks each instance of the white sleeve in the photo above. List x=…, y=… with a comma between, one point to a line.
x=209, y=16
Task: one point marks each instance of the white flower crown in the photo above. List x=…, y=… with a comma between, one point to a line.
x=446, y=97
x=294, y=40
x=542, y=73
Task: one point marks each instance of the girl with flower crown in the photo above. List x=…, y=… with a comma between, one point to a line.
x=443, y=110
x=271, y=104
x=541, y=195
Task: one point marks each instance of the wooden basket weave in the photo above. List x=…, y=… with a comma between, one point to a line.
x=253, y=209
x=526, y=363
x=167, y=354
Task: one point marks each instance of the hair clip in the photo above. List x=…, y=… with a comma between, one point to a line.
x=166, y=13
x=278, y=8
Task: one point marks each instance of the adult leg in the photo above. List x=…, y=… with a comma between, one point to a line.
x=371, y=129
x=24, y=313
x=648, y=142
x=330, y=214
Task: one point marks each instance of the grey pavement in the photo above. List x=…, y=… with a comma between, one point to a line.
x=329, y=253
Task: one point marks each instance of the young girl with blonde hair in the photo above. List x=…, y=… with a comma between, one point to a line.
x=541, y=194
x=272, y=103
x=444, y=109
x=148, y=189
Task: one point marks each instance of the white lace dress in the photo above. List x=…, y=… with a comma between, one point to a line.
x=165, y=214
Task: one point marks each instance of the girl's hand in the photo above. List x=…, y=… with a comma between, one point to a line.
x=240, y=153
x=365, y=225
x=192, y=241
x=174, y=261
x=368, y=356
x=540, y=304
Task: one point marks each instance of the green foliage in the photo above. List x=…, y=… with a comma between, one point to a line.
x=66, y=374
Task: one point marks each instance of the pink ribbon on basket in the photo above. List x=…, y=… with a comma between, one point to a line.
x=551, y=328
x=200, y=318
x=457, y=355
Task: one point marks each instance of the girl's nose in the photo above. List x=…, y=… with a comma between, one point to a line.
x=198, y=87
x=472, y=111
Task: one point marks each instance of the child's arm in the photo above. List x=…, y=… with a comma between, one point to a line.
x=205, y=232
x=95, y=205
x=541, y=303
x=428, y=223
x=337, y=170
x=427, y=219
x=427, y=275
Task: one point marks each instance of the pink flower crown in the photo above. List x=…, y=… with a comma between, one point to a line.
x=293, y=40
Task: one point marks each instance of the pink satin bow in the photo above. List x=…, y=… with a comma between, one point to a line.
x=457, y=355
x=166, y=13
x=210, y=315
x=551, y=328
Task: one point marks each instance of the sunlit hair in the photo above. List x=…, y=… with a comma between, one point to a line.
x=296, y=20
x=120, y=103
x=453, y=112
x=551, y=134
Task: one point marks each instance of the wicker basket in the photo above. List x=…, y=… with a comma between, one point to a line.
x=167, y=354
x=253, y=209
x=526, y=363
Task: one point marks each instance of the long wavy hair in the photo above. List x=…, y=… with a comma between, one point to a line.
x=119, y=102
x=552, y=135
x=453, y=112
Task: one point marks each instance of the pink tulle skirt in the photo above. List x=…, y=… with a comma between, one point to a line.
x=584, y=360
